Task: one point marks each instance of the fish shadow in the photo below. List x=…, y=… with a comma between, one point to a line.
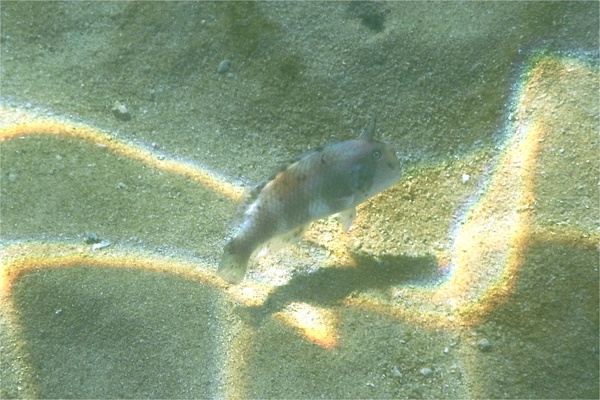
x=327, y=287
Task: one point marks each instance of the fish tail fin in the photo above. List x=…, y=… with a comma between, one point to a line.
x=232, y=267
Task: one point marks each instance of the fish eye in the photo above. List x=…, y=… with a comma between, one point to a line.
x=376, y=154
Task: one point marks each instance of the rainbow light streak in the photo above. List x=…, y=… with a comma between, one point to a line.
x=21, y=258
x=495, y=231
x=492, y=235
x=489, y=238
x=24, y=125
x=315, y=324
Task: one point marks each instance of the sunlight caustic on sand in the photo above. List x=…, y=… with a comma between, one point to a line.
x=485, y=258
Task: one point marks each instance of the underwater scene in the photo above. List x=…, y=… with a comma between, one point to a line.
x=357, y=200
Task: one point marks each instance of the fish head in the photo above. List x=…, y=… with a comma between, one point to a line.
x=376, y=164
x=377, y=169
x=367, y=167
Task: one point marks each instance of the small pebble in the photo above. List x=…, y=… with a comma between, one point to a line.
x=12, y=177
x=465, y=178
x=224, y=66
x=121, y=185
x=103, y=244
x=92, y=238
x=426, y=372
x=121, y=112
x=484, y=345
x=396, y=372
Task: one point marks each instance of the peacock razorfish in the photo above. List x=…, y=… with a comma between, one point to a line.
x=330, y=179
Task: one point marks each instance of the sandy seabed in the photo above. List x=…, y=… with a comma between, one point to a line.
x=129, y=131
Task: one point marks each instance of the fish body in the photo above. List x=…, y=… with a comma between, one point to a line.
x=329, y=179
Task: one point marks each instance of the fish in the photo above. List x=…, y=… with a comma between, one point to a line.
x=327, y=180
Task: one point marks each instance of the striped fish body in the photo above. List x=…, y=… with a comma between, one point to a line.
x=329, y=179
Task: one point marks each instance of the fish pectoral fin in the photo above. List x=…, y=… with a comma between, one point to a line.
x=288, y=238
x=341, y=203
x=346, y=218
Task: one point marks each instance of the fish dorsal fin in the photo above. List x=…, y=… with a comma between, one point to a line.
x=249, y=196
x=368, y=131
x=252, y=194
